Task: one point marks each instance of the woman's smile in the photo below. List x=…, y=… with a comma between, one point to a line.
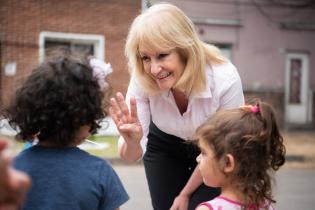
x=165, y=67
x=163, y=75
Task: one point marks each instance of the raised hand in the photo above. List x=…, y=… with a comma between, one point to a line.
x=126, y=120
x=13, y=184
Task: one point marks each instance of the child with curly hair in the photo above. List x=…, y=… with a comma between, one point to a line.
x=240, y=148
x=60, y=104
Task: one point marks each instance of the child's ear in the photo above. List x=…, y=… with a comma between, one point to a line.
x=229, y=163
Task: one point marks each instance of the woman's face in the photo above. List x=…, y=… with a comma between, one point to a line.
x=209, y=166
x=164, y=67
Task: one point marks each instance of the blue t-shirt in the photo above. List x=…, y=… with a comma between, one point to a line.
x=69, y=179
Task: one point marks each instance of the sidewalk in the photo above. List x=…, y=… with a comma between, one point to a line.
x=300, y=149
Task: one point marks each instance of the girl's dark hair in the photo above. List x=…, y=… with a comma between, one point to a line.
x=58, y=98
x=254, y=140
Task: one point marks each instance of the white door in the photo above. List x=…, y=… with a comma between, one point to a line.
x=296, y=91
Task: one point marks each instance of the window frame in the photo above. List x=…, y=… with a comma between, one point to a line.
x=98, y=42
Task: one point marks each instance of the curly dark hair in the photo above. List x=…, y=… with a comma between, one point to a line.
x=58, y=98
x=254, y=140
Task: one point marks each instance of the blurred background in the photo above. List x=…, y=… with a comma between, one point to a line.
x=271, y=42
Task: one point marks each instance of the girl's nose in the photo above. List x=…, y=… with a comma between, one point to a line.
x=198, y=158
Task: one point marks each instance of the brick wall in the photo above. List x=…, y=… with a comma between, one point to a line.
x=22, y=21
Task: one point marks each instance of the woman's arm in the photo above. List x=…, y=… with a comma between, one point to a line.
x=129, y=127
x=130, y=152
x=182, y=200
x=132, y=122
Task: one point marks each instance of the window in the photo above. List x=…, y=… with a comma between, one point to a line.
x=86, y=43
x=295, y=81
x=146, y=4
x=226, y=50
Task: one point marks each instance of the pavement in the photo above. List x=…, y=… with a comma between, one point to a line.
x=294, y=188
x=294, y=183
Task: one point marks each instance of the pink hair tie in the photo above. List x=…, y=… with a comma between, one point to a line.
x=100, y=71
x=250, y=108
x=254, y=109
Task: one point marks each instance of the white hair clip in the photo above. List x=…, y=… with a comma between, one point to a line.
x=100, y=71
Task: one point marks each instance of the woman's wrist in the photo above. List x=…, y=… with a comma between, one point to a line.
x=130, y=152
x=185, y=193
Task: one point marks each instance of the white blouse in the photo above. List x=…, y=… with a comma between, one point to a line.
x=224, y=91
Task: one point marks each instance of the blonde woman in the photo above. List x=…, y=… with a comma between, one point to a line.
x=177, y=82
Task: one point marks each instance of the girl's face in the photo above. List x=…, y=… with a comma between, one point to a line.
x=164, y=67
x=209, y=166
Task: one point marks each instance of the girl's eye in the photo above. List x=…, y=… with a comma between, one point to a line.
x=202, y=152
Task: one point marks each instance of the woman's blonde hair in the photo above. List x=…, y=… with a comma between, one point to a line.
x=164, y=27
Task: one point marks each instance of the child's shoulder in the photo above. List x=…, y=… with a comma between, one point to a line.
x=92, y=160
x=204, y=206
x=220, y=202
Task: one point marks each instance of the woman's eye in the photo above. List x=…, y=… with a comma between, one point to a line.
x=162, y=55
x=145, y=58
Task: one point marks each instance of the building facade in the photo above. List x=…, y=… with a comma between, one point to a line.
x=29, y=27
x=272, y=43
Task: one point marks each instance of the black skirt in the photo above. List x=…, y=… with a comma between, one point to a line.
x=169, y=162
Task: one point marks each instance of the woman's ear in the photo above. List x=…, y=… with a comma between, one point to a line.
x=229, y=163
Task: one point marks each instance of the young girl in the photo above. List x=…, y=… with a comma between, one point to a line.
x=240, y=148
x=61, y=104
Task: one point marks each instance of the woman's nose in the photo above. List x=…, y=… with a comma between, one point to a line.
x=155, y=67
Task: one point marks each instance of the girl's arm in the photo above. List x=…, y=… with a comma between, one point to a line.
x=182, y=200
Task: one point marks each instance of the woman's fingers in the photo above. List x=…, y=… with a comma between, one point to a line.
x=120, y=111
x=113, y=115
x=122, y=104
x=116, y=120
x=116, y=111
x=119, y=108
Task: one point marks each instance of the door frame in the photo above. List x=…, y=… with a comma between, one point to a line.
x=298, y=112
